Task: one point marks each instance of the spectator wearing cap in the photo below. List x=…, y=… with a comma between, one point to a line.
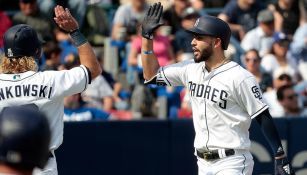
x=241, y=15
x=183, y=39
x=289, y=100
x=280, y=78
x=31, y=15
x=260, y=38
x=278, y=57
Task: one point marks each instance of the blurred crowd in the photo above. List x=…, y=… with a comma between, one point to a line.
x=269, y=38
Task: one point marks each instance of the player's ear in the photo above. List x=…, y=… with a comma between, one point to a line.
x=217, y=42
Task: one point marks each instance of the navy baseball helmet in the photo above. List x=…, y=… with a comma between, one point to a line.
x=22, y=40
x=24, y=137
x=212, y=26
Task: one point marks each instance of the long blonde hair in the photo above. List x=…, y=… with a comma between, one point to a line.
x=17, y=65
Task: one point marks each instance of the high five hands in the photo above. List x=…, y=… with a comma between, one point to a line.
x=152, y=20
x=64, y=19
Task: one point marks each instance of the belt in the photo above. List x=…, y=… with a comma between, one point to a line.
x=215, y=154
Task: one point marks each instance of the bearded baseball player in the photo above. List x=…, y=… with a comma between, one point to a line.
x=224, y=96
x=21, y=83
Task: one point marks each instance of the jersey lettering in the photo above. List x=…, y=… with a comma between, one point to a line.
x=33, y=90
x=212, y=94
x=223, y=97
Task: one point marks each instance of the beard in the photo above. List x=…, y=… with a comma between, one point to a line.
x=203, y=55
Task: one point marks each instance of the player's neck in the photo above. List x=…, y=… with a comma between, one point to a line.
x=213, y=64
x=6, y=170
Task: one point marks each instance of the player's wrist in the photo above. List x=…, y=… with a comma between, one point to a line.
x=280, y=157
x=77, y=37
x=280, y=154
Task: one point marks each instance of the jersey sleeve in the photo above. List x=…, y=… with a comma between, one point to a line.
x=250, y=97
x=171, y=75
x=69, y=82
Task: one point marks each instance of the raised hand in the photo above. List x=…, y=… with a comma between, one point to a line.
x=152, y=20
x=64, y=19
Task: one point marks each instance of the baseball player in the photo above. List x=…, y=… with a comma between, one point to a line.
x=24, y=140
x=20, y=83
x=224, y=97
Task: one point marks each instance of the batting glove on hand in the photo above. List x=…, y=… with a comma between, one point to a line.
x=152, y=20
x=283, y=167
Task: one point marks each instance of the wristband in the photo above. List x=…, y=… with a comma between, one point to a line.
x=78, y=37
x=148, y=52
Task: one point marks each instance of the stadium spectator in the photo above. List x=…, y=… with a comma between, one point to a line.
x=126, y=19
x=289, y=100
x=260, y=38
x=5, y=24
x=183, y=39
x=75, y=110
x=120, y=95
x=280, y=78
x=52, y=56
x=199, y=6
x=165, y=56
x=30, y=14
x=99, y=94
x=252, y=63
x=172, y=16
x=78, y=8
x=163, y=50
x=287, y=16
x=278, y=57
x=65, y=44
x=298, y=46
x=241, y=15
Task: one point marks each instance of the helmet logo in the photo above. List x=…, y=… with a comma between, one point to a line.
x=9, y=52
x=13, y=156
x=196, y=23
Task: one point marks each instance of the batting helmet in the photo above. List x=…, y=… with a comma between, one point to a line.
x=212, y=26
x=24, y=137
x=22, y=40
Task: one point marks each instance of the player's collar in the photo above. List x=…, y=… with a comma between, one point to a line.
x=223, y=66
x=16, y=77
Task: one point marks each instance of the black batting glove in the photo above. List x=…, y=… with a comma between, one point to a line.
x=152, y=20
x=283, y=167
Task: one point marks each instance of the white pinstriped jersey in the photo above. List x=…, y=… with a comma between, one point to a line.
x=223, y=101
x=46, y=90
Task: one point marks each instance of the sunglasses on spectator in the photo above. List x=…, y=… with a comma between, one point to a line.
x=252, y=59
x=291, y=97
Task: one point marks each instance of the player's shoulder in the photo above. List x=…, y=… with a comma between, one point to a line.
x=185, y=63
x=239, y=73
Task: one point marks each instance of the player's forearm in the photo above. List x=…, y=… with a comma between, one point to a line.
x=149, y=61
x=86, y=53
x=270, y=132
x=88, y=59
